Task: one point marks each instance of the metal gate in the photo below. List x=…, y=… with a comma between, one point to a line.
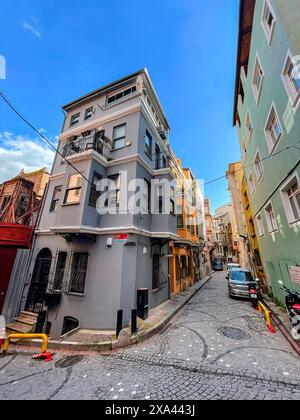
x=7, y=259
x=39, y=282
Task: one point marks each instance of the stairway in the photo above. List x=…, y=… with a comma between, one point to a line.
x=25, y=323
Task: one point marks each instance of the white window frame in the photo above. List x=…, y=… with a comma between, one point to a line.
x=256, y=91
x=121, y=139
x=268, y=31
x=75, y=118
x=270, y=142
x=289, y=86
x=286, y=200
x=89, y=112
x=252, y=187
x=259, y=176
x=260, y=225
x=270, y=227
x=248, y=132
x=77, y=188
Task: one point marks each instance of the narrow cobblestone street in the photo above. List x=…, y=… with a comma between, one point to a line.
x=215, y=348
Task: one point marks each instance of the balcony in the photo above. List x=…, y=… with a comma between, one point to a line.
x=88, y=141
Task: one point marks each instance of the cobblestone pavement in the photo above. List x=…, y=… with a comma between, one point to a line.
x=216, y=348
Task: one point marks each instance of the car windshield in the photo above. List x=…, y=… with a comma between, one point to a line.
x=243, y=276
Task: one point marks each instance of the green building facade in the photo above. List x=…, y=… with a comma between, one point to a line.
x=267, y=117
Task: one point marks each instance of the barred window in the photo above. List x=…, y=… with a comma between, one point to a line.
x=60, y=270
x=78, y=272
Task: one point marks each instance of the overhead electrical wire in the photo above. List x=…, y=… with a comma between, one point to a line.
x=10, y=104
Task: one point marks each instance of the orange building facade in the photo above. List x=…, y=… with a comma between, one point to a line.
x=187, y=261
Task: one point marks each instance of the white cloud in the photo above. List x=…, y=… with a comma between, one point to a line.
x=33, y=30
x=21, y=152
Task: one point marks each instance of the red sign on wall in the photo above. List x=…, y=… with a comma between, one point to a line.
x=295, y=274
x=121, y=237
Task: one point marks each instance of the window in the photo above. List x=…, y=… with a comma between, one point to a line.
x=94, y=194
x=75, y=119
x=251, y=184
x=121, y=96
x=89, y=113
x=160, y=199
x=294, y=198
x=291, y=79
x=148, y=144
x=78, y=272
x=271, y=219
x=273, y=130
x=119, y=136
x=55, y=199
x=259, y=169
x=257, y=81
x=74, y=190
x=268, y=21
x=114, y=191
x=69, y=324
x=260, y=226
x=172, y=200
x=60, y=271
x=291, y=199
x=5, y=202
x=22, y=206
x=180, y=224
x=249, y=127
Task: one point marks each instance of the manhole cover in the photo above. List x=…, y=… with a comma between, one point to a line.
x=68, y=361
x=234, y=333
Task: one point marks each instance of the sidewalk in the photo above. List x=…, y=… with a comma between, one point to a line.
x=282, y=321
x=159, y=317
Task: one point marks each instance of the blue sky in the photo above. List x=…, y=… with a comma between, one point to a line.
x=56, y=51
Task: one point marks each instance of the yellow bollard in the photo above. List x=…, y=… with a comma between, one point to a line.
x=262, y=308
x=26, y=337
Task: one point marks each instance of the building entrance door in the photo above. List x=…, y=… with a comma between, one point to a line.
x=39, y=282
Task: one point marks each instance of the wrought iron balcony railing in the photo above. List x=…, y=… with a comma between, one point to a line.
x=90, y=141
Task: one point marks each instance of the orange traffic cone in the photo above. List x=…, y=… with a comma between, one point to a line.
x=46, y=357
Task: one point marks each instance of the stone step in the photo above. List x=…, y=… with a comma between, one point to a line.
x=29, y=314
x=19, y=328
x=25, y=320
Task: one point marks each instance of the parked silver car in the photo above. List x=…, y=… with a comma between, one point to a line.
x=240, y=282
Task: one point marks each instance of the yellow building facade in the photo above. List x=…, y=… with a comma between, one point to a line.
x=256, y=261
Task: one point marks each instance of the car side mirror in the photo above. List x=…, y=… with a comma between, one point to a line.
x=227, y=277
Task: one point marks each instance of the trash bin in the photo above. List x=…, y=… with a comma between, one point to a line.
x=143, y=303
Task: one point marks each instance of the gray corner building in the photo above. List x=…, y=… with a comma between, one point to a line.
x=87, y=266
